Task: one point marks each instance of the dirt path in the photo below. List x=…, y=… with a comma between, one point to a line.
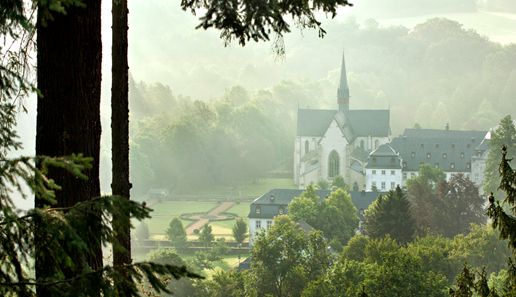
x=214, y=212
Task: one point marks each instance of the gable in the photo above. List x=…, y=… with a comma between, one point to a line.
x=313, y=122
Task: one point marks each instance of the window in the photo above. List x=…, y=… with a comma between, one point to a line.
x=468, y=165
x=258, y=224
x=453, y=145
x=462, y=155
x=281, y=210
x=383, y=172
x=393, y=185
x=452, y=165
x=333, y=164
x=413, y=155
x=436, y=165
x=383, y=185
x=307, y=146
x=445, y=156
x=373, y=185
x=374, y=172
x=436, y=145
x=422, y=145
x=393, y=172
x=404, y=175
x=412, y=174
x=269, y=224
x=428, y=155
x=404, y=164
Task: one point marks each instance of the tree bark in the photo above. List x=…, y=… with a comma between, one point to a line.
x=120, y=125
x=68, y=120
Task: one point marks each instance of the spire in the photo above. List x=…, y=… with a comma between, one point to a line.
x=343, y=92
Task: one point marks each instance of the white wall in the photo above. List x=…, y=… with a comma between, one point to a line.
x=380, y=178
x=253, y=230
x=333, y=140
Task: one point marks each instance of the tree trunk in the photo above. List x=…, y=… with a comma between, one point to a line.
x=68, y=120
x=120, y=125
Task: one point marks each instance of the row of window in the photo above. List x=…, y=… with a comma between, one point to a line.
x=258, y=210
x=429, y=155
x=422, y=145
x=259, y=224
x=383, y=185
x=436, y=165
x=393, y=172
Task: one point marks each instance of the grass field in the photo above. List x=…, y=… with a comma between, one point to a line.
x=167, y=210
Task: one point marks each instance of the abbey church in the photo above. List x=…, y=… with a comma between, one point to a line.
x=330, y=143
x=357, y=145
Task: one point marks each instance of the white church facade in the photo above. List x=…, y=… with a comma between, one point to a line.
x=330, y=143
x=357, y=145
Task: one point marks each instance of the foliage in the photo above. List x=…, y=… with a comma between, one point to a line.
x=239, y=230
x=286, y=258
x=229, y=284
x=386, y=270
x=444, y=207
x=246, y=20
x=206, y=235
x=504, y=134
x=335, y=216
x=176, y=233
x=390, y=215
x=323, y=184
x=339, y=182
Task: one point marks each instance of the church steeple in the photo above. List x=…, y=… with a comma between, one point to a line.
x=343, y=92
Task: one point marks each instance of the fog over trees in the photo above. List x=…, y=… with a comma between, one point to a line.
x=264, y=160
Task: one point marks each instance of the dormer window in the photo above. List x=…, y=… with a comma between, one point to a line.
x=413, y=155
x=436, y=165
x=436, y=145
x=453, y=145
x=468, y=165
x=445, y=156
x=452, y=165
x=404, y=164
x=422, y=145
x=428, y=155
x=258, y=210
x=462, y=155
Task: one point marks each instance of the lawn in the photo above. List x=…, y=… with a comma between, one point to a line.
x=167, y=210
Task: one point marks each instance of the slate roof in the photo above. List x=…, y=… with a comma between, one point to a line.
x=269, y=208
x=440, y=148
x=384, y=157
x=315, y=122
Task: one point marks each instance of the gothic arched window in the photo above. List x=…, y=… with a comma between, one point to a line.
x=307, y=146
x=333, y=164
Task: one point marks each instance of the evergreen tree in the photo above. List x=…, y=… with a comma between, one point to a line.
x=505, y=134
x=390, y=215
x=239, y=230
x=206, y=235
x=176, y=233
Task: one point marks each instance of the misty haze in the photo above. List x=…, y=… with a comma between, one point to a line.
x=258, y=148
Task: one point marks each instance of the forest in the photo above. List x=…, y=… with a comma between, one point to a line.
x=439, y=234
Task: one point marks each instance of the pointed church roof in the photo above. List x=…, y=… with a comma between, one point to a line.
x=314, y=122
x=343, y=91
